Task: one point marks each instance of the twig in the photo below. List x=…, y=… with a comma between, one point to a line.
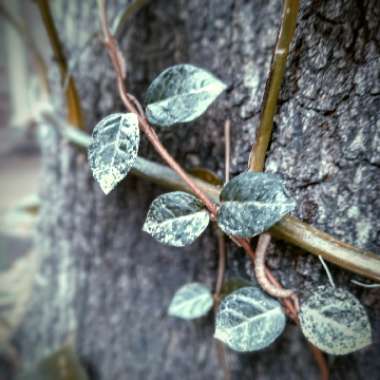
x=273, y=85
x=320, y=359
x=261, y=249
x=362, y=284
x=222, y=254
x=75, y=116
x=327, y=270
x=227, y=150
x=291, y=307
x=222, y=357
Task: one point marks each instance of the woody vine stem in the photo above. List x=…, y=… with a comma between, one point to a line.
x=118, y=63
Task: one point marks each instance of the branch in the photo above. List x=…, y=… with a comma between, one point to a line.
x=273, y=85
x=290, y=229
x=75, y=116
x=120, y=70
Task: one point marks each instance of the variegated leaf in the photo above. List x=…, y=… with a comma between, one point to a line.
x=191, y=301
x=176, y=219
x=251, y=203
x=335, y=321
x=249, y=320
x=180, y=94
x=113, y=149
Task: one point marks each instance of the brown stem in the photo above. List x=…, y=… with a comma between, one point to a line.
x=320, y=359
x=291, y=308
x=222, y=357
x=261, y=249
x=227, y=150
x=273, y=85
x=221, y=265
x=75, y=116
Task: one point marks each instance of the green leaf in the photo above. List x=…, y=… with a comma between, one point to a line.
x=191, y=301
x=249, y=320
x=180, y=94
x=251, y=203
x=334, y=320
x=113, y=149
x=176, y=219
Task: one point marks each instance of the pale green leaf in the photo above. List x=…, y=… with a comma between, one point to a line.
x=180, y=94
x=251, y=203
x=191, y=301
x=249, y=320
x=176, y=219
x=334, y=320
x=113, y=149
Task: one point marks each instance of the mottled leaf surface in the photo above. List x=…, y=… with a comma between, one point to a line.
x=176, y=219
x=113, y=149
x=335, y=321
x=251, y=203
x=191, y=301
x=180, y=94
x=249, y=320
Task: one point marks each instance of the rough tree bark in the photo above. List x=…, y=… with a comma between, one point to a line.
x=107, y=285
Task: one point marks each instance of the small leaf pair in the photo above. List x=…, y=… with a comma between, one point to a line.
x=331, y=318
x=247, y=319
x=250, y=204
x=180, y=94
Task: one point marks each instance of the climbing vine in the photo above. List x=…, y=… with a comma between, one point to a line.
x=248, y=318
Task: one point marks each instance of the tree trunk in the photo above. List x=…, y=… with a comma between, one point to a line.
x=106, y=285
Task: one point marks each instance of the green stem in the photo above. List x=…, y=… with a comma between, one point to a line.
x=75, y=115
x=289, y=228
x=273, y=85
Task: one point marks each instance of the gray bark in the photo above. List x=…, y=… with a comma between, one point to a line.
x=106, y=285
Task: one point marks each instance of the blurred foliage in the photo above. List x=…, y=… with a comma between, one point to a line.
x=63, y=364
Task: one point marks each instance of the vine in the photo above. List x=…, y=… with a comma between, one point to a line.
x=126, y=129
x=246, y=319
